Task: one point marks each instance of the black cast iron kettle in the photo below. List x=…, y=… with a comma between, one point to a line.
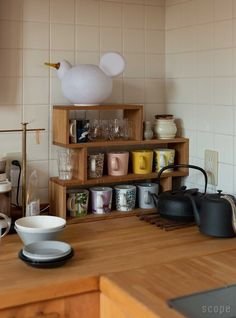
x=216, y=214
x=176, y=204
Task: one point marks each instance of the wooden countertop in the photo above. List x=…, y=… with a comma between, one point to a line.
x=135, y=261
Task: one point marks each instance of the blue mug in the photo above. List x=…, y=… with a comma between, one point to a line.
x=79, y=130
x=82, y=130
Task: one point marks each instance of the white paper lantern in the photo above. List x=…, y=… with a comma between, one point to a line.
x=88, y=84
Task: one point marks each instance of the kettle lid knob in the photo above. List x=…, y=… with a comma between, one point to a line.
x=219, y=191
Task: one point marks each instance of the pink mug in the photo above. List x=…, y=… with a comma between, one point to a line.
x=118, y=163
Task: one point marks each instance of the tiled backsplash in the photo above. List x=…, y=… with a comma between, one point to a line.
x=201, y=80
x=189, y=43
x=35, y=31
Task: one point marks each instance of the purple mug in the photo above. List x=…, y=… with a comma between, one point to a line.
x=101, y=199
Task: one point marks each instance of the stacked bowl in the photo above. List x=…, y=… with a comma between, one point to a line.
x=39, y=228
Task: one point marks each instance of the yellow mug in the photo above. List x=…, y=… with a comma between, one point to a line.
x=142, y=161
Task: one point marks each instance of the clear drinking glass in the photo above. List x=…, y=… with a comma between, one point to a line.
x=115, y=128
x=65, y=164
x=128, y=129
x=105, y=129
x=95, y=130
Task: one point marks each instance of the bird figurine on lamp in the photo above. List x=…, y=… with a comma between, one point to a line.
x=89, y=84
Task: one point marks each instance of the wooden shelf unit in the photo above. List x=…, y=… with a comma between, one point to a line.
x=59, y=188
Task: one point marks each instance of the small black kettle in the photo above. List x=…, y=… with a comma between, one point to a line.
x=175, y=204
x=215, y=214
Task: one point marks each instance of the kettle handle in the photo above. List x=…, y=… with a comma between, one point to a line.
x=182, y=165
x=232, y=204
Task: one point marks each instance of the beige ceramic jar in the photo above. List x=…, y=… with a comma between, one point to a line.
x=165, y=128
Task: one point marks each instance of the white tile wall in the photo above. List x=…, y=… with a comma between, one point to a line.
x=190, y=44
x=204, y=66
x=36, y=31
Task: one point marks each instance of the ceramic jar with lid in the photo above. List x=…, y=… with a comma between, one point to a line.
x=165, y=127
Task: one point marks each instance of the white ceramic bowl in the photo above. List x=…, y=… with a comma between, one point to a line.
x=28, y=238
x=40, y=224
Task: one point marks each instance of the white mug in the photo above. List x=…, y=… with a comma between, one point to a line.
x=72, y=131
x=145, y=191
x=4, y=224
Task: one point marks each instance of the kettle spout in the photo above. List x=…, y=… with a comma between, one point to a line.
x=195, y=210
x=55, y=65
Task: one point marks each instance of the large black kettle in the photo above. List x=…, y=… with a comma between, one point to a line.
x=175, y=204
x=215, y=214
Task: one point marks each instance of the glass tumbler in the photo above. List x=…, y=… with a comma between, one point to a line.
x=65, y=164
x=128, y=129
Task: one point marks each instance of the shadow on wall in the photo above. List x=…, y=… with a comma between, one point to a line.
x=11, y=43
x=179, y=125
x=171, y=93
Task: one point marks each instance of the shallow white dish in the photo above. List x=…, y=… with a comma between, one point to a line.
x=40, y=223
x=46, y=250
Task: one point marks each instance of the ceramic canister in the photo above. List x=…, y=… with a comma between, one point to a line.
x=118, y=163
x=142, y=161
x=162, y=158
x=125, y=197
x=101, y=199
x=145, y=199
x=165, y=128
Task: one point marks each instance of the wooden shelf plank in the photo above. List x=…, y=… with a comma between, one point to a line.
x=111, y=179
x=110, y=107
x=111, y=215
x=118, y=143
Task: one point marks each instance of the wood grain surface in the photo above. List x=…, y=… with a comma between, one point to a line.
x=148, y=264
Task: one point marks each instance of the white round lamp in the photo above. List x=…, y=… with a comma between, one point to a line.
x=88, y=84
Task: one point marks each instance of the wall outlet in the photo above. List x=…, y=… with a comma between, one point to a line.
x=211, y=166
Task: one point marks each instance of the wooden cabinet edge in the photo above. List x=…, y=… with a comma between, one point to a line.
x=85, y=305
x=123, y=301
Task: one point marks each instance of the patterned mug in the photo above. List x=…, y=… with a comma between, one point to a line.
x=95, y=165
x=77, y=202
x=162, y=158
x=125, y=197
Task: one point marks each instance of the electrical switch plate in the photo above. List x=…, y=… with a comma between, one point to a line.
x=211, y=166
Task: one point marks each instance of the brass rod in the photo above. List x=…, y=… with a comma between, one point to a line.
x=24, y=131
x=21, y=130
